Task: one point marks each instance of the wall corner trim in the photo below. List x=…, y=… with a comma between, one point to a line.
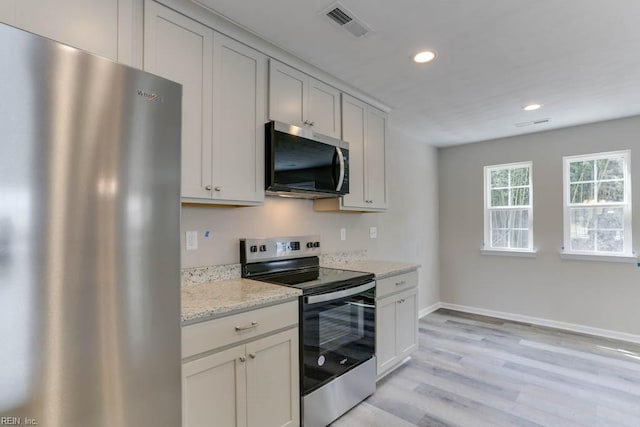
x=428, y=310
x=589, y=330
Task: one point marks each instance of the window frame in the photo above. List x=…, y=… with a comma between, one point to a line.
x=627, y=249
x=487, y=247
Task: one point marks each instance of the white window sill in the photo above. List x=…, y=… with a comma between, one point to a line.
x=508, y=252
x=630, y=259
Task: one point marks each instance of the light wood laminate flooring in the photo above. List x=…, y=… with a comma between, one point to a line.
x=480, y=371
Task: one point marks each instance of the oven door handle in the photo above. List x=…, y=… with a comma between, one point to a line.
x=314, y=299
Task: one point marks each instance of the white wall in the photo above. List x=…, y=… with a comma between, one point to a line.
x=597, y=294
x=409, y=228
x=406, y=232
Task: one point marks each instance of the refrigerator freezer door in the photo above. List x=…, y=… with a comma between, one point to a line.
x=89, y=239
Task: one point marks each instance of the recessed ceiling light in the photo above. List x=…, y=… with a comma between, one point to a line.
x=424, y=56
x=532, y=107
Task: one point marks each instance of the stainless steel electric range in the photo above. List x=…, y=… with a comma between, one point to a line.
x=337, y=323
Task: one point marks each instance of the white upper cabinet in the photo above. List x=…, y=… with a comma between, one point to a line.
x=87, y=25
x=299, y=99
x=354, y=131
x=287, y=89
x=365, y=129
x=375, y=150
x=239, y=94
x=223, y=106
x=180, y=49
x=324, y=108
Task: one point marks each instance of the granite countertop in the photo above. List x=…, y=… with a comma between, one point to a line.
x=381, y=269
x=207, y=301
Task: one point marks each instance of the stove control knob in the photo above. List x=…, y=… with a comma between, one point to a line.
x=309, y=245
x=253, y=248
x=263, y=248
x=316, y=244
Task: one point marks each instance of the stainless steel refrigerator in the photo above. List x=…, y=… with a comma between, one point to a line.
x=89, y=239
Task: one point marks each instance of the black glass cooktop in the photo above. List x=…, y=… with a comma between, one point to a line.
x=318, y=279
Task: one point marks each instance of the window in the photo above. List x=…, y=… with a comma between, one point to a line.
x=597, y=204
x=508, y=215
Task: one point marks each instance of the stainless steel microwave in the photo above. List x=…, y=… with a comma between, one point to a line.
x=302, y=163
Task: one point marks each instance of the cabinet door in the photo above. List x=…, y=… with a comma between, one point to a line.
x=239, y=91
x=88, y=25
x=214, y=390
x=8, y=12
x=287, y=94
x=407, y=323
x=386, y=326
x=180, y=49
x=324, y=108
x=375, y=158
x=273, y=397
x=354, y=114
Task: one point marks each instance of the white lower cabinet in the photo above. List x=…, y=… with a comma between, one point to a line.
x=252, y=384
x=214, y=390
x=396, y=320
x=273, y=381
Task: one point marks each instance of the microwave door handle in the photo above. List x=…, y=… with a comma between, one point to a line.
x=341, y=160
x=314, y=299
x=334, y=163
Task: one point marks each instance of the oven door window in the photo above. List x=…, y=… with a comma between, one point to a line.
x=337, y=335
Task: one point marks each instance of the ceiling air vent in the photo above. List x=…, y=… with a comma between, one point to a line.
x=339, y=16
x=345, y=19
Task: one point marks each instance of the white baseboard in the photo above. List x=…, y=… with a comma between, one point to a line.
x=428, y=310
x=606, y=333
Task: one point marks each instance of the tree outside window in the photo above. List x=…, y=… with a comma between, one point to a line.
x=597, y=204
x=508, y=207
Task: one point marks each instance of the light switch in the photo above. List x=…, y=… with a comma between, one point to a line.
x=191, y=240
x=343, y=234
x=373, y=232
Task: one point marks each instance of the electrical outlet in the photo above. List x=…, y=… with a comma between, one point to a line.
x=373, y=232
x=343, y=234
x=191, y=240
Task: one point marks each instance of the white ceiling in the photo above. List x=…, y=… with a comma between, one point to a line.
x=580, y=58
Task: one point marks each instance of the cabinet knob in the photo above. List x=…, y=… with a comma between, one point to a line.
x=252, y=355
x=207, y=187
x=400, y=283
x=217, y=188
x=311, y=123
x=306, y=122
x=242, y=358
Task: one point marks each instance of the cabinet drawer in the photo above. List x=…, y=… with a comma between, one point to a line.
x=393, y=284
x=207, y=336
